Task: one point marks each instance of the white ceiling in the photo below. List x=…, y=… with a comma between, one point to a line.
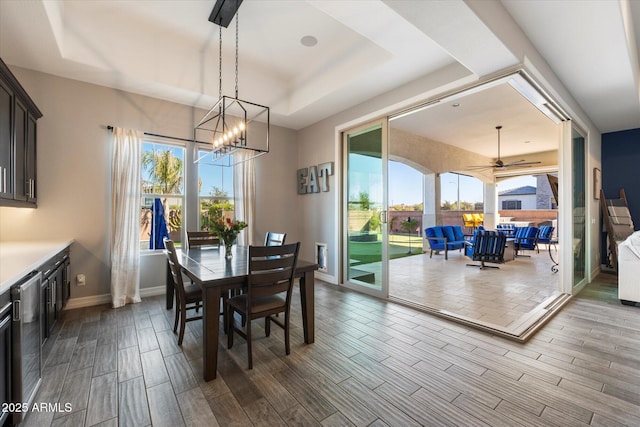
x=168, y=49
x=468, y=120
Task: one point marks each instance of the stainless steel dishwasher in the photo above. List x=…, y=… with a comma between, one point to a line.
x=27, y=354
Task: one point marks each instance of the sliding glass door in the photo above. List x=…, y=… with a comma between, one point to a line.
x=364, y=209
x=579, y=206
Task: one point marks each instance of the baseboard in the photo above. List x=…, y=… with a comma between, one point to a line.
x=151, y=292
x=106, y=298
x=326, y=277
x=91, y=301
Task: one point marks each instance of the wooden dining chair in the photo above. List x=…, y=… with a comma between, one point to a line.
x=188, y=297
x=274, y=239
x=269, y=286
x=202, y=239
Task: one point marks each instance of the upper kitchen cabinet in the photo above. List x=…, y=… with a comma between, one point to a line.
x=18, y=130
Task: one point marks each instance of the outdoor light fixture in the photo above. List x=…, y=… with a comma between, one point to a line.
x=232, y=125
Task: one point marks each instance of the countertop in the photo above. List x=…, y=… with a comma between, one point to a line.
x=17, y=259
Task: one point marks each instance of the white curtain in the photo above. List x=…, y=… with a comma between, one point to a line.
x=244, y=197
x=125, y=217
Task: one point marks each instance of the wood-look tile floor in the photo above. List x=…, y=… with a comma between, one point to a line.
x=373, y=363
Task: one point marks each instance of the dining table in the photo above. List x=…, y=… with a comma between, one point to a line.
x=214, y=273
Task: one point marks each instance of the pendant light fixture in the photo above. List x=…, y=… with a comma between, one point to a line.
x=232, y=125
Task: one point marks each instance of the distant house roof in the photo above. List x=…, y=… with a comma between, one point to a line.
x=520, y=191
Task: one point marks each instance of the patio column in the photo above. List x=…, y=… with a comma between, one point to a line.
x=431, y=202
x=490, y=206
x=431, y=206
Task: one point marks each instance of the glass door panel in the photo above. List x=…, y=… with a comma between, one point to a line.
x=364, y=215
x=579, y=204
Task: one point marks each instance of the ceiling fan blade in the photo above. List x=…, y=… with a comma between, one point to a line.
x=520, y=163
x=499, y=163
x=479, y=167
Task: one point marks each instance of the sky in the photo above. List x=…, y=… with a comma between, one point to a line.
x=405, y=186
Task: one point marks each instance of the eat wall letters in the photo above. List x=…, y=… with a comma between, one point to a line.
x=314, y=178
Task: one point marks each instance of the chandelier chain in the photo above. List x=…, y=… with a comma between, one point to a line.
x=237, y=14
x=220, y=64
x=226, y=124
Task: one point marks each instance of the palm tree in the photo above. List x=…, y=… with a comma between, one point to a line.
x=165, y=171
x=409, y=225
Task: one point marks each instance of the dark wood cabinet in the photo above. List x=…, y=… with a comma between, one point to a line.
x=6, y=357
x=6, y=142
x=44, y=305
x=18, y=136
x=66, y=287
x=30, y=160
x=25, y=154
x=19, y=151
x=55, y=291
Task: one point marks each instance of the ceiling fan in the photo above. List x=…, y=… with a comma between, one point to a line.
x=499, y=164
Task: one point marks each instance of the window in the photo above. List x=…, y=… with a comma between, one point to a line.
x=162, y=177
x=215, y=192
x=461, y=192
x=512, y=204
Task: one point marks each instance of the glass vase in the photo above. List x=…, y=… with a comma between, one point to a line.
x=228, y=246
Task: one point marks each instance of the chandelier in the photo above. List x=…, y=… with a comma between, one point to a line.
x=237, y=130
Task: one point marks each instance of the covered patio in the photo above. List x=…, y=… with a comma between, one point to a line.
x=512, y=299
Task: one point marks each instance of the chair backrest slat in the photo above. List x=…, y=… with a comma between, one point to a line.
x=202, y=238
x=273, y=262
x=271, y=269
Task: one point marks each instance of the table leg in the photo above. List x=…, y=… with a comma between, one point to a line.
x=210, y=333
x=307, y=295
x=169, y=288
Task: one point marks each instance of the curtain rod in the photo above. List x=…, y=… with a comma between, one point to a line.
x=109, y=127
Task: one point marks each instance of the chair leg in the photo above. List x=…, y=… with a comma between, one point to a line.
x=267, y=326
x=183, y=322
x=225, y=320
x=229, y=315
x=287, y=346
x=248, y=332
x=177, y=316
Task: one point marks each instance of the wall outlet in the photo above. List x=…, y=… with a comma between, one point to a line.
x=80, y=280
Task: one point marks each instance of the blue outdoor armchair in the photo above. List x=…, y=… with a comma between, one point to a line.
x=525, y=238
x=545, y=235
x=487, y=246
x=444, y=238
x=508, y=229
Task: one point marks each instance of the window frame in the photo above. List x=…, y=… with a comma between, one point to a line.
x=517, y=202
x=230, y=198
x=183, y=195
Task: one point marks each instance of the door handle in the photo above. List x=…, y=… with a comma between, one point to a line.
x=29, y=184
x=16, y=310
x=52, y=297
x=382, y=216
